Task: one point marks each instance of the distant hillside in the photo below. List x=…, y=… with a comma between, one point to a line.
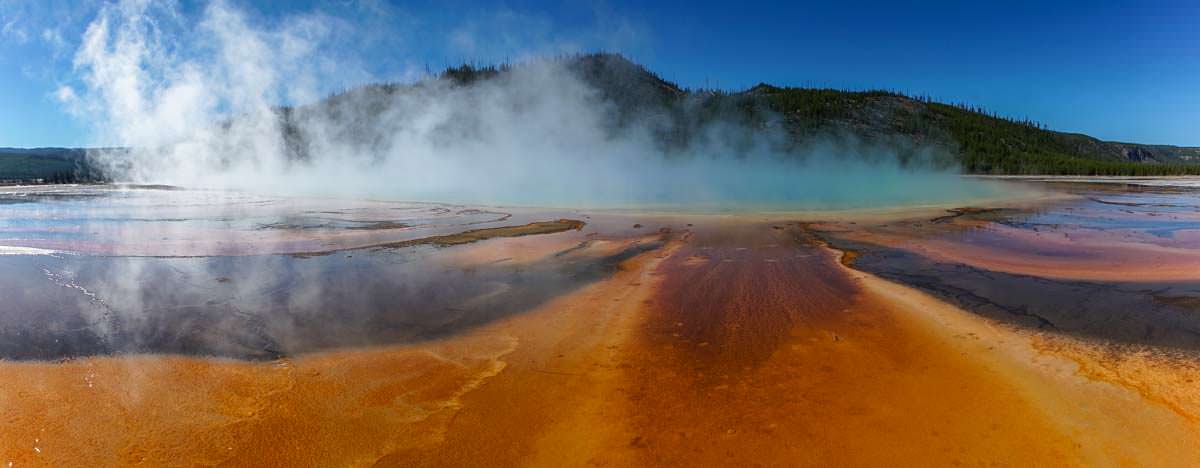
x=45, y=165
x=964, y=137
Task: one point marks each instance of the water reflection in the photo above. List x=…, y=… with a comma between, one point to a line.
x=110, y=220
x=259, y=304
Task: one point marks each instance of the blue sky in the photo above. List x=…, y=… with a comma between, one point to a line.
x=1118, y=71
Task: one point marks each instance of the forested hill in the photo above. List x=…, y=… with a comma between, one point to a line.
x=982, y=143
x=965, y=137
x=979, y=142
x=45, y=165
x=972, y=139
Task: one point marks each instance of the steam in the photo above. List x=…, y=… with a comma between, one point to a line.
x=199, y=107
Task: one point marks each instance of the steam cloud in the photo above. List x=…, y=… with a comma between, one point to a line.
x=198, y=106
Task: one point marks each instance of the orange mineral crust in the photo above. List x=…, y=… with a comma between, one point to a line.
x=343, y=408
x=423, y=404
x=767, y=354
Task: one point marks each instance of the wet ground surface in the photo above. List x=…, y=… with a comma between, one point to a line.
x=256, y=304
x=1005, y=263
x=265, y=307
x=158, y=222
x=638, y=340
x=1145, y=313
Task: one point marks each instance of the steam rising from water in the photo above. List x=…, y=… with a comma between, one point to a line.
x=197, y=107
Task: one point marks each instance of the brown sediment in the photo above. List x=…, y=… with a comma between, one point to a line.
x=964, y=211
x=527, y=250
x=846, y=255
x=522, y=250
x=1187, y=302
x=474, y=235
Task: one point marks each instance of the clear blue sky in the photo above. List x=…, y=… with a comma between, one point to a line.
x=1118, y=71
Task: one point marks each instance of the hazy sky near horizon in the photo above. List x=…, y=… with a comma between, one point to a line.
x=1127, y=71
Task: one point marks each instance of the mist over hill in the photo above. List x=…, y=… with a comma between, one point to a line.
x=913, y=128
x=604, y=98
x=961, y=136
